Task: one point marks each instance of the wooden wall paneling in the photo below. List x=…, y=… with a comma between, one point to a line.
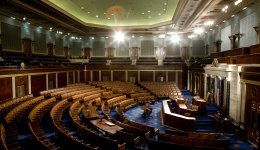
x=27, y=46
x=6, y=88
x=38, y=83
x=180, y=79
x=119, y=76
x=52, y=81
x=146, y=75
x=105, y=75
x=82, y=76
x=131, y=75
x=88, y=76
x=62, y=79
x=172, y=76
x=50, y=49
x=70, y=77
x=76, y=76
x=251, y=113
x=159, y=74
x=95, y=75
x=21, y=81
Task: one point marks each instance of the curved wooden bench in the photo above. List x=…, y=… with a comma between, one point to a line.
x=69, y=139
x=14, y=117
x=35, y=118
x=2, y=138
x=7, y=106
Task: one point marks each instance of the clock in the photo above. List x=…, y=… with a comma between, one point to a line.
x=22, y=65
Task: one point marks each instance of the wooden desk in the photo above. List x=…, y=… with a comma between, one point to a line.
x=177, y=121
x=202, y=105
x=106, y=126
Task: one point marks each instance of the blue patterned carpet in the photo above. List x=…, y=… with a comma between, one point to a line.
x=154, y=120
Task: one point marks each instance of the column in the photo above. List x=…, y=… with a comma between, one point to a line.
x=153, y=76
x=47, y=81
x=112, y=75
x=30, y=84
x=13, y=87
x=205, y=86
x=57, y=80
x=176, y=77
x=188, y=86
x=85, y=74
x=138, y=76
x=126, y=76
x=167, y=76
x=99, y=75
x=91, y=75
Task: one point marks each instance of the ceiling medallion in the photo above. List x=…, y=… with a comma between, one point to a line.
x=116, y=11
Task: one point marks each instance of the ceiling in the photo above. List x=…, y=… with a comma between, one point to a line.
x=117, y=13
x=152, y=17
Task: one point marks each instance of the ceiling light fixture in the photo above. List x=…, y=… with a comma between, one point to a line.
x=119, y=36
x=237, y=2
x=81, y=7
x=108, y=18
x=244, y=8
x=161, y=36
x=96, y=16
x=175, y=38
x=209, y=23
x=233, y=16
x=191, y=36
x=225, y=8
x=13, y=17
x=198, y=30
x=24, y=18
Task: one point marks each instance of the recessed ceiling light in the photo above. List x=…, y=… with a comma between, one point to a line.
x=50, y=28
x=224, y=21
x=92, y=38
x=164, y=9
x=105, y=13
x=24, y=18
x=13, y=17
x=159, y=14
x=233, y=16
x=148, y=11
x=88, y=12
x=108, y=18
x=244, y=8
x=142, y=13
x=106, y=37
x=81, y=7
x=133, y=36
x=96, y=16
x=165, y=3
x=210, y=29
x=112, y=14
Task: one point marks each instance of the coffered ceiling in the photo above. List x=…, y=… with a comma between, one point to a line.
x=98, y=17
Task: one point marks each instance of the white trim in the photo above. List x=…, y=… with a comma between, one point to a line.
x=99, y=75
x=47, y=81
x=56, y=79
x=30, y=84
x=13, y=87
